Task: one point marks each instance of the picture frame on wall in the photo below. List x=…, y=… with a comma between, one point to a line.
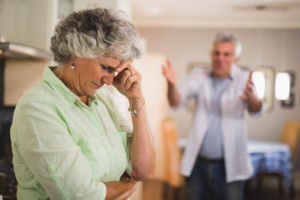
x=193, y=65
x=292, y=78
x=289, y=103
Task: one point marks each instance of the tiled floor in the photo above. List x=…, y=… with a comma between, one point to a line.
x=153, y=191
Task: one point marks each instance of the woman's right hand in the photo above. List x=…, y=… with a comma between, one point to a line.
x=169, y=73
x=120, y=190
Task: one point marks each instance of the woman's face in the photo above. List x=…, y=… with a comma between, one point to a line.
x=91, y=75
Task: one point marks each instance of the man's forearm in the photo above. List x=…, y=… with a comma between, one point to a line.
x=254, y=104
x=173, y=95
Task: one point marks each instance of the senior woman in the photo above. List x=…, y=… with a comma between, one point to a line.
x=69, y=138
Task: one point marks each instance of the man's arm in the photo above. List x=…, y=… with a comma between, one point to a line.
x=173, y=95
x=254, y=104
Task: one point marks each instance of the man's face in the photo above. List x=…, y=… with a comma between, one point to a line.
x=222, y=57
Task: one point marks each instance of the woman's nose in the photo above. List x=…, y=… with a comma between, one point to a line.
x=109, y=79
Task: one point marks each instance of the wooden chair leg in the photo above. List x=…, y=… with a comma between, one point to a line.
x=292, y=191
x=165, y=190
x=176, y=193
x=246, y=190
x=258, y=187
x=280, y=186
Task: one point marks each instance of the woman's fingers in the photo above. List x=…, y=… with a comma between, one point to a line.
x=128, y=79
x=123, y=65
x=125, y=75
x=132, y=79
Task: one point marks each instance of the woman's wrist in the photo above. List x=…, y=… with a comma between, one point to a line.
x=136, y=103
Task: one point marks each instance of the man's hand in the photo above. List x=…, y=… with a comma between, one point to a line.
x=173, y=96
x=254, y=103
x=248, y=91
x=169, y=73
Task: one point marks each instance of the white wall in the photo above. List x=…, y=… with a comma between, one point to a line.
x=19, y=76
x=124, y=5
x=80, y=5
x=183, y=46
x=28, y=22
x=154, y=90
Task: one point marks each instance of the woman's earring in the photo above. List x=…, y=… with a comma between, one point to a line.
x=72, y=66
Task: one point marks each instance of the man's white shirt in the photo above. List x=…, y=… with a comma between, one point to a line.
x=233, y=116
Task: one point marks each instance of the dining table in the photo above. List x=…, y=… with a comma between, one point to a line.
x=271, y=157
x=266, y=157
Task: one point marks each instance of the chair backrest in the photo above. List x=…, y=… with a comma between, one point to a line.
x=172, y=153
x=290, y=135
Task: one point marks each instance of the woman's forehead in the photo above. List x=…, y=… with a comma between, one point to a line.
x=109, y=61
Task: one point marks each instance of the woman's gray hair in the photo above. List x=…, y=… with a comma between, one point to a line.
x=228, y=37
x=94, y=33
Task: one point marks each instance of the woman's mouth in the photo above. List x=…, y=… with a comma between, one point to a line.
x=97, y=86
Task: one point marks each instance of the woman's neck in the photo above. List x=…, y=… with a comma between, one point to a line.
x=68, y=78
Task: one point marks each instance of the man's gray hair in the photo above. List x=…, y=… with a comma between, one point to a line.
x=228, y=37
x=94, y=33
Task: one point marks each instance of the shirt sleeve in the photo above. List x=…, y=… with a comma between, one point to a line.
x=127, y=128
x=51, y=154
x=189, y=89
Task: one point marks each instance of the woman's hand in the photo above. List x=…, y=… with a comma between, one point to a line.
x=128, y=80
x=120, y=190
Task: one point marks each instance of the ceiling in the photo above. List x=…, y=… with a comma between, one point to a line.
x=216, y=13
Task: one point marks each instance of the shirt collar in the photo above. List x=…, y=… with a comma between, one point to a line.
x=61, y=89
x=232, y=73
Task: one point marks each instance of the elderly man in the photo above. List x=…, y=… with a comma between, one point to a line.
x=215, y=160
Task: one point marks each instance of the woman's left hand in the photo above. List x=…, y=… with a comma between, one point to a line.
x=128, y=80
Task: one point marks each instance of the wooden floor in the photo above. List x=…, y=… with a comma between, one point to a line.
x=152, y=190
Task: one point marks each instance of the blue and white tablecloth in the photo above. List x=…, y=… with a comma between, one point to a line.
x=271, y=157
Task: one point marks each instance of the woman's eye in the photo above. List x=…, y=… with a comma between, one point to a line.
x=104, y=67
x=108, y=69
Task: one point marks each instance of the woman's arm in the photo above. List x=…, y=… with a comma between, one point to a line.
x=142, y=148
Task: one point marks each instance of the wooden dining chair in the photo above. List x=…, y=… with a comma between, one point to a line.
x=289, y=136
x=173, y=180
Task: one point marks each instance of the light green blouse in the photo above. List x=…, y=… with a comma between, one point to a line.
x=64, y=149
